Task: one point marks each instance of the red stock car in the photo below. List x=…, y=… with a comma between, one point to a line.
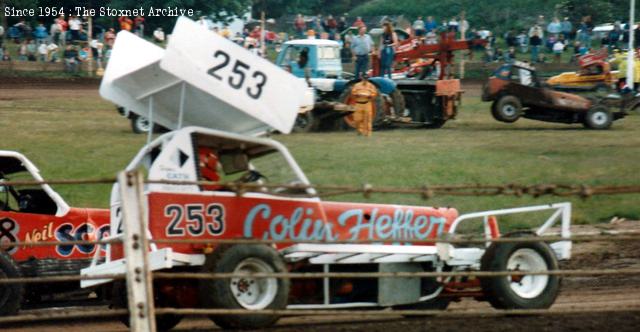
x=37, y=213
x=276, y=211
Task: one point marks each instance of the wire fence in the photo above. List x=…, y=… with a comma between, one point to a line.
x=426, y=192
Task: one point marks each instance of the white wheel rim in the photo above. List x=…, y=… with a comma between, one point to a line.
x=143, y=124
x=509, y=110
x=599, y=118
x=253, y=293
x=527, y=286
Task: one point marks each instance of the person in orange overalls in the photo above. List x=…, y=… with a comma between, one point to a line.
x=363, y=95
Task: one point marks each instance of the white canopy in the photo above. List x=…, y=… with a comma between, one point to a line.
x=202, y=79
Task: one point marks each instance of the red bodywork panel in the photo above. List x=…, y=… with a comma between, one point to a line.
x=77, y=224
x=227, y=216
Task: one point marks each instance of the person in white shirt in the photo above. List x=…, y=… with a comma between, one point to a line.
x=52, y=52
x=558, y=48
x=75, y=24
x=158, y=35
x=42, y=52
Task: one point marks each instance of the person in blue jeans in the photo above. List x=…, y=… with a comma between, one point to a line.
x=388, y=42
x=535, y=41
x=361, y=46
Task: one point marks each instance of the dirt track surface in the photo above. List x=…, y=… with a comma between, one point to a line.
x=592, y=293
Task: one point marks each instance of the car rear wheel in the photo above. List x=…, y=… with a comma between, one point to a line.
x=507, y=109
x=520, y=291
x=245, y=292
x=598, y=117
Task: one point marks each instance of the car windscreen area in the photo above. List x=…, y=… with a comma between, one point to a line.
x=229, y=162
x=24, y=198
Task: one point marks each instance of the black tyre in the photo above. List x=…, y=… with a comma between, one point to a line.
x=140, y=124
x=246, y=292
x=598, y=117
x=305, y=123
x=507, y=109
x=119, y=301
x=520, y=292
x=11, y=295
x=397, y=102
x=379, y=116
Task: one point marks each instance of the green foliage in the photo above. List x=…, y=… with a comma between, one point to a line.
x=504, y=14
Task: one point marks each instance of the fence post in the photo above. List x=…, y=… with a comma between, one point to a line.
x=136, y=244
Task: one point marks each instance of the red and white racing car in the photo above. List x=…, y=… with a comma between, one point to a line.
x=282, y=213
x=35, y=214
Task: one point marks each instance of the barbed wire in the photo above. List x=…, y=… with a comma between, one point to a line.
x=425, y=191
x=602, y=237
x=336, y=275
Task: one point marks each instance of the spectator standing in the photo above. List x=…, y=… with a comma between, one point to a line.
x=110, y=37
x=226, y=32
x=1, y=52
x=300, y=26
x=75, y=24
x=1, y=37
x=536, y=29
x=388, y=43
x=522, y=41
x=418, y=27
x=22, y=51
x=453, y=25
x=555, y=27
x=40, y=33
x=510, y=39
x=42, y=52
x=558, y=48
x=535, y=41
x=63, y=26
x=318, y=24
x=430, y=24
x=342, y=24
x=586, y=28
x=332, y=27
x=463, y=26
x=359, y=23
x=361, y=47
x=614, y=37
x=346, y=56
x=566, y=28
x=158, y=35
x=138, y=26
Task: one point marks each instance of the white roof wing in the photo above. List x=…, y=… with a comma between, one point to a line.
x=142, y=76
x=236, y=78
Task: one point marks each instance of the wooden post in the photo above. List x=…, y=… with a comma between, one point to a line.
x=89, y=39
x=136, y=244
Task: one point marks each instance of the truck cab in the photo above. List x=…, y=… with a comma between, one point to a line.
x=323, y=58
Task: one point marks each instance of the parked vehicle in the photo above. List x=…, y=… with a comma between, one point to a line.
x=516, y=92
